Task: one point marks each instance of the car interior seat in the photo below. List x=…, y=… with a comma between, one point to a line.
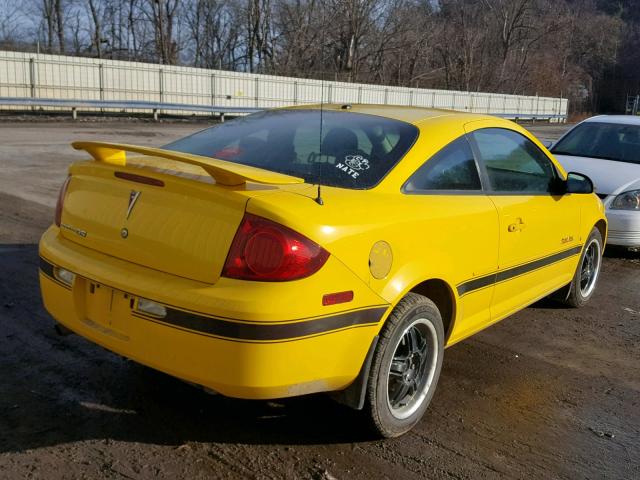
x=339, y=142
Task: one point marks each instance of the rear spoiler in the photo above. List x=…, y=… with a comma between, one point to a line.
x=224, y=172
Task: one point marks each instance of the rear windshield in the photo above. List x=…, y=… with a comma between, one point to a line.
x=352, y=150
x=608, y=141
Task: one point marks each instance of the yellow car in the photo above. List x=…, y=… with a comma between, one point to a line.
x=317, y=249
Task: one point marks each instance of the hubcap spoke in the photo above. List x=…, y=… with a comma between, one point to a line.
x=418, y=342
x=398, y=367
x=590, y=268
x=399, y=394
x=423, y=359
x=414, y=341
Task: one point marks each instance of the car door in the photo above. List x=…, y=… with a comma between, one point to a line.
x=539, y=227
x=463, y=223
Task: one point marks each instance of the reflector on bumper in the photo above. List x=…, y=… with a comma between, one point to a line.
x=151, y=308
x=65, y=276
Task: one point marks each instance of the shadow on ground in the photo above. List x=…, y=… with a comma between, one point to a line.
x=50, y=394
x=527, y=398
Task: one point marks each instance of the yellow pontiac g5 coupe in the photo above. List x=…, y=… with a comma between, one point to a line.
x=336, y=249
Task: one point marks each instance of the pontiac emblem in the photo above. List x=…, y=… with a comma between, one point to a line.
x=133, y=198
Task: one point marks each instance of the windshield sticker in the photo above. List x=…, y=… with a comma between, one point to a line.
x=353, y=165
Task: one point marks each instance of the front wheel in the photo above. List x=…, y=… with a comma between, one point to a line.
x=586, y=277
x=406, y=366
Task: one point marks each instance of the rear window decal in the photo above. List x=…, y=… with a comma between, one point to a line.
x=353, y=165
x=357, y=162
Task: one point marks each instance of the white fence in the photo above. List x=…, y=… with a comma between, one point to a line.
x=62, y=77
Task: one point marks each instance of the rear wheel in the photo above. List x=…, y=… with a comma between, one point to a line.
x=406, y=366
x=586, y=277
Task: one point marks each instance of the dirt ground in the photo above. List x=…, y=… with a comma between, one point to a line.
x=547, y=393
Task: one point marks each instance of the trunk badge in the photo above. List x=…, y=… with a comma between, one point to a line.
x=133, y=198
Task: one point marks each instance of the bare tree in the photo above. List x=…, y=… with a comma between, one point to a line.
x=353, y=21
x=163, y=15
x=301, y=33
x=258, y=34
x=548, y=47
x=97, y=13
x=10, y=30
x=49, y=17
x=59, y=18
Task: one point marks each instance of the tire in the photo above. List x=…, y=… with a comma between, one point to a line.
x=415, y=325
x=581, y=288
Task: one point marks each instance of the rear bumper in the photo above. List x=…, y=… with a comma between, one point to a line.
x=624, y=228
x=216, y=336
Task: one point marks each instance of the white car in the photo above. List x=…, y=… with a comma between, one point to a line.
x=606, y=148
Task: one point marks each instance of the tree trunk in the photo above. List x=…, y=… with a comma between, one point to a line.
x=60, y=25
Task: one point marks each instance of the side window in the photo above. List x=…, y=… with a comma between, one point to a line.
x=513, y=163
x=452, y=168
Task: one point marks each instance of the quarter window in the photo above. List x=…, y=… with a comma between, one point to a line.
x=452, y=168
x=513, y=162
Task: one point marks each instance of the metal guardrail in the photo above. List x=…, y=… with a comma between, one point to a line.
x=531, y=116
x=157, y=107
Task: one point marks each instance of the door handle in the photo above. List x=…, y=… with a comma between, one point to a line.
x=518, y=226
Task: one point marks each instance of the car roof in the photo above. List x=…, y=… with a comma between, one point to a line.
x=616, y=119
x=407, y=114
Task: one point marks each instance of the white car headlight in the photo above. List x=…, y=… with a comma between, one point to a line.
x=627, y=201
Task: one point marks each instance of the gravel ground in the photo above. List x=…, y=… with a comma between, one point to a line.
x=547, y=393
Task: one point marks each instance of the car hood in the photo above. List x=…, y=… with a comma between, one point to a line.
x=608, y=176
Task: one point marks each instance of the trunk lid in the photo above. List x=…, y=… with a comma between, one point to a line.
x=159, y=212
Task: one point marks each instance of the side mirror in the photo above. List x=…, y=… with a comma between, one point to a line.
x=578, y=183
x=548, y=144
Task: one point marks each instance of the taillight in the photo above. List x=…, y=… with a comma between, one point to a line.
x=267, y=251
x=60, y=202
